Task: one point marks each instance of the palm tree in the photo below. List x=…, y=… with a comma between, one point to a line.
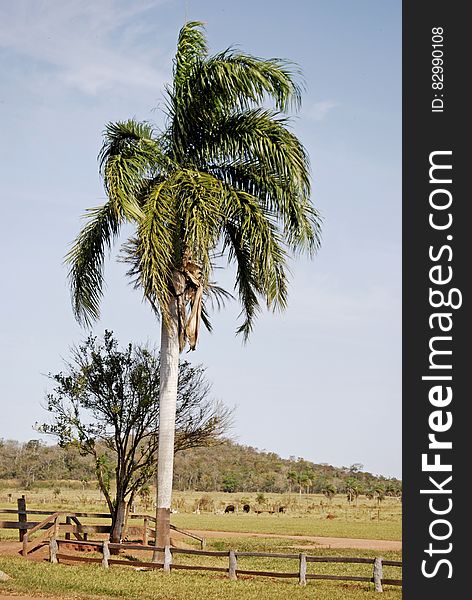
x=329, y=491
x=292, y=479
x=224, y=178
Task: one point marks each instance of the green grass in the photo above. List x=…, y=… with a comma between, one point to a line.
x=312, y=525
x=90, y=581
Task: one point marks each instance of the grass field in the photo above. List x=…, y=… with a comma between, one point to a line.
x=310, y=515
x=88, y=581
x=306, y=516
x=292, y=525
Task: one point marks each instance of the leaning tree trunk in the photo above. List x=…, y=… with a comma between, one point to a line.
x=169, y=371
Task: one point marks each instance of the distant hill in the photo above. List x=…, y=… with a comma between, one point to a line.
x=226, y=467
x=233, y=467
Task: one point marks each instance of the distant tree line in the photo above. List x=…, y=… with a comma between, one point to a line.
x=34, y=461
x=228, y=467
x=237, y=468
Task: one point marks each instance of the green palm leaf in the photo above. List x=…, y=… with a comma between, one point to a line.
x=86, y=261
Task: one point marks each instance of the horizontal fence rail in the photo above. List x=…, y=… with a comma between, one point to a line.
x=167, y=553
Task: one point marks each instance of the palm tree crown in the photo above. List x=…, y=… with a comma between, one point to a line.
x=224, y=176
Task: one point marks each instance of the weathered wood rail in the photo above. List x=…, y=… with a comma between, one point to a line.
x=232, y=570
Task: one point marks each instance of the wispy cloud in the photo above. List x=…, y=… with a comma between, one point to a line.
x=88, y=45
x=319, y=110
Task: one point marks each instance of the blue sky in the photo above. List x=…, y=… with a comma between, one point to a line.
x=322, y=380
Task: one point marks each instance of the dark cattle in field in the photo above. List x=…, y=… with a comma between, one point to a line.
x=246, y=508
x=229, y=508
x=282, y=509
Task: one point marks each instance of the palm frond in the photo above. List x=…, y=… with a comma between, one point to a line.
x=191, y=48
x=151, y=253
x=232, y=79
x=246, y=282
x=260, y=138
x=228, y=81
x=129, y=155
x=254, y=243
x=217, y=295
x=86, y=260
x=200, y=199
x=255, y=152
x=206, y=318
x=300, y=221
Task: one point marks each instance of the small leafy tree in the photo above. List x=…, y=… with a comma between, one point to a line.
x=292, y=479
x=353, y=489
x=330, y=491
x=30, y=464
x=261, y=499
x=379, y=491
x=302, y=480
x=356, y=468
x=106, y=403
x=145, y=496
x=230, y=483
x=393, y=488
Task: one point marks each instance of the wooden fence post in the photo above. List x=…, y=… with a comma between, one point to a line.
x=106, y=554
x=68, y=522
x=22, y=516
x=53, y=548
x=302, y=569
x=145, y=532
x=232, y=565
x=167, y=559
x=24, y=550
x=378, y=574
x=55, y=533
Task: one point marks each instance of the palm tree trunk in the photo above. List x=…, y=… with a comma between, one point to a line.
x=169, y=371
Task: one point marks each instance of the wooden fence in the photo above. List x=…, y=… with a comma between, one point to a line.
x=167, y=564
x=71, y=524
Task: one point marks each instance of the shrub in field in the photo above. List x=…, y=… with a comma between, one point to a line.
x=145, y=496
x=330, y=492
x=205, y=503
x=261, y=499
x=180, y=504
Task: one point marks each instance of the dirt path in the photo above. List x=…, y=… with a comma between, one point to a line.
x=14, y=596
x=24, y=597
x=18, y=597
x=321, y=542
x=10, y=548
